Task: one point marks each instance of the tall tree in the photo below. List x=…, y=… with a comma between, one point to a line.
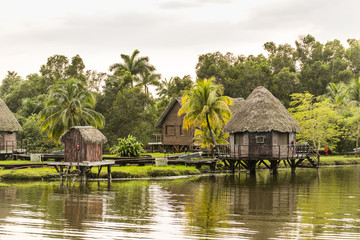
x=69, y=104
x=317, y=119
x=133, y=64
x=147, y=78
x=54, y=69
x=204, y=105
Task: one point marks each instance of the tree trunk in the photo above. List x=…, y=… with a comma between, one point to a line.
x=211, y=133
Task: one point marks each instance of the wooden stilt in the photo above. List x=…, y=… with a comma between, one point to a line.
x=109, y=172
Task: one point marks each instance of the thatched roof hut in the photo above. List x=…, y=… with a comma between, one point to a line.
x=8, y=122
x=262, y=112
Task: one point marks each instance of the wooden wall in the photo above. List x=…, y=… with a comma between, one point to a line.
x=276, y=144
x=8, y=141
x=86, y=152
x=260, y=150
x=172, y=131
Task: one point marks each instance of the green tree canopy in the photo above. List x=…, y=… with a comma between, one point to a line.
x=69, y=104
x=205, y=106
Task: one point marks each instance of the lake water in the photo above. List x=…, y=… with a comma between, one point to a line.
x=308, y=205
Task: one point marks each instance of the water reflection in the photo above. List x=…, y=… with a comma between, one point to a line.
x=283, y=206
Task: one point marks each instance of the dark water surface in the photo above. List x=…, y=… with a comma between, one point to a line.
x=305, y=206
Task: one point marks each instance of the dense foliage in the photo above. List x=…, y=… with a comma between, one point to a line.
x=127, y=147
x=128, y=106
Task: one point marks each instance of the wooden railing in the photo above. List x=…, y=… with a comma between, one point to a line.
x=298, y=151
x=7, y=146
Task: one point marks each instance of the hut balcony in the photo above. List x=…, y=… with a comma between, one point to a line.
x=265, y=152
x=7, y=146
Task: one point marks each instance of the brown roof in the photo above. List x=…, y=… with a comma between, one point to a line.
x=8, y=121
x=167, y=111
x=236, y=104
x=88, y=133
x=262, y=112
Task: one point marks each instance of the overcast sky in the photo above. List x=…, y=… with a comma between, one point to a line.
x=172, y=33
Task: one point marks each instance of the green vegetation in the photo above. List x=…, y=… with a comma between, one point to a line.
x=127, y=147
x=206, y=109
x=329, y=70
x=117, y=172
x=69, y=104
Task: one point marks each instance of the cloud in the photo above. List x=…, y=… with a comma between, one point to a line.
x=176, y=5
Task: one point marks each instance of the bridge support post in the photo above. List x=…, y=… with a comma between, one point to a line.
x=251, y=167
x=273, y=167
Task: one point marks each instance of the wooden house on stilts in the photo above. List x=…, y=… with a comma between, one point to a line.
x=262, y=129
x=8, y=128
x=174, y=138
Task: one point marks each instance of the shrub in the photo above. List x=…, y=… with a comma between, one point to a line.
x=127, y=147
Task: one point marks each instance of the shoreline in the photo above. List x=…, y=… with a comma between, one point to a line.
x=150, y=172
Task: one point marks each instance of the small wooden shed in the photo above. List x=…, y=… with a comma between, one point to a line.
x=83, y=144
x=8, y=128
x=262, y=128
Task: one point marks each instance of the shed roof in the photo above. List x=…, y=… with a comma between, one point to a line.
x=262, y=112
x=88, y=133
x=8, y=121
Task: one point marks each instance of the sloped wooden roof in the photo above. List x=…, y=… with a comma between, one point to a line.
x=167, y=111
x=88, y=133
x=237, y=102
x=262, y=112
x=8, y=121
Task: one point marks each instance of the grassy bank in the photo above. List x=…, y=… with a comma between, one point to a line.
x=117, y=172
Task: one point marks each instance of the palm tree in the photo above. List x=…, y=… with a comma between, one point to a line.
x=133, y=64
x=148, y=78
x=205, y=106
x=203, y=137
x=69, y=104
x=164, y=88
x=336, y=92
x=352, y=99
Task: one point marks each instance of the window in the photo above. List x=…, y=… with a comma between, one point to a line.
x=260, y=139
x=170, y=130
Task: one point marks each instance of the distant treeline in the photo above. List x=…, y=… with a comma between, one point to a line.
x=124, y=100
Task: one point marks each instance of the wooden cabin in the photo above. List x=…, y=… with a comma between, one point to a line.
x=262, y=128
x=8, y=128
x=173, y=135
x=83, y=144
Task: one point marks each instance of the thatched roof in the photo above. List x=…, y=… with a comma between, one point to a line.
x=236, y=105
x=262, y=112
x=88, y=133
x=167, y=111
x=8, y=121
